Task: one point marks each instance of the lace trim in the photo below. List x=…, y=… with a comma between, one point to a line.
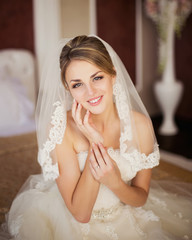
x=123, y=111
x=146, y=215
x=110, y=232
x=16, y=225
x=105, y=215
x=56, y=133
x=158, y=202
x=85, y=229
x=130, y=215
x=139, y=161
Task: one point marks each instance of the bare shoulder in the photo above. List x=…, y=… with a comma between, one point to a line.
x=71, y=126
x=70, y=130
x=140, y=118
x=144, y=131
x=74, y=136
x=66, y=145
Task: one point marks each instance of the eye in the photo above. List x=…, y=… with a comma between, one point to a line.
x=76, y=85
x=97, y=78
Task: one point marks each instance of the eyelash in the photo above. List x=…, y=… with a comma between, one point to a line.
x=95, y=79
x=76, y=85
x=98, y=78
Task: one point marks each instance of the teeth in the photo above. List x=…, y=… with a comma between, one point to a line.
x=95, y=100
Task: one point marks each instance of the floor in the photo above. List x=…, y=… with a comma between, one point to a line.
x=178, y=147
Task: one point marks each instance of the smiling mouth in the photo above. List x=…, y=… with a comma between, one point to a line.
x=95, y=101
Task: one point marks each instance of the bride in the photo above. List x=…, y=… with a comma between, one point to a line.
x=96, y=149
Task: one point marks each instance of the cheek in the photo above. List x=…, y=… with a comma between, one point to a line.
x=108, y=86
x=77, y=95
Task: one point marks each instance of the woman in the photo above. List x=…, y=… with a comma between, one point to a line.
x=96, y=149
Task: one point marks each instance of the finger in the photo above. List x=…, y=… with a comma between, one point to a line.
x=104, y=154
x=93, y=161
x=93, y=172
x=94, y=166
x=78, y=114
x=87, y=124
x=98, y=155
x=86, y=118
x=74, y=107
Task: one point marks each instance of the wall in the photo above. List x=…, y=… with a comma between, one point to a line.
x=183, y=64
x=120, y=32
x=16, y=24
x=74, y=17
x=47, y=28
x=116, y=25
x=150, y=62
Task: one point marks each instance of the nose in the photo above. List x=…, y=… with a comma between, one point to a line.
x=90, y=90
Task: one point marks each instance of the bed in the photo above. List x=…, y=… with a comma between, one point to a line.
x=17, y=92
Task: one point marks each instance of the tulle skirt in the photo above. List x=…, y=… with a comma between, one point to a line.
x=39, y=213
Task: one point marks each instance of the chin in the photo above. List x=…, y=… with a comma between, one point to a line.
x=96, y=110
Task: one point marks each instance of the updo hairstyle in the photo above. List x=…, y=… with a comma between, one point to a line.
x=89, y=49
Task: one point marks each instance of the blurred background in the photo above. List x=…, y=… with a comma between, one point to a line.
x=29, y=29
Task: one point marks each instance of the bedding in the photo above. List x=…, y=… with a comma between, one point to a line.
x=17, y=92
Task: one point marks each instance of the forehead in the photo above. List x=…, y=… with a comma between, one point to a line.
x=78, y=69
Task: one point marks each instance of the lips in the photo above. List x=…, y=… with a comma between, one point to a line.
x=95, y=101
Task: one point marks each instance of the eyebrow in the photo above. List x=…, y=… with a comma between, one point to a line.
x=78, y=80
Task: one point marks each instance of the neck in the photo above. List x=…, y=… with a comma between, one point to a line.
x=102, y=121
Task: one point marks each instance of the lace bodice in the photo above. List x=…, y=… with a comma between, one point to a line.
x=128, y=167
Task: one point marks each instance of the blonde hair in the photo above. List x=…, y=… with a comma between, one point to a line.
x=89, y=49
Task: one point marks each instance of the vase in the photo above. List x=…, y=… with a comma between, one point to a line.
x=168, y=90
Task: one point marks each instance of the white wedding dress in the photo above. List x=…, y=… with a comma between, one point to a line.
x=39, y=212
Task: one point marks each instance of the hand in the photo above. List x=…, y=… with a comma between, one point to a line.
x=85, y=125
x=103, y=167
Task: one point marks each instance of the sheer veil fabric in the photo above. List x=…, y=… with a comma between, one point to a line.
x=39, y=212
x=54, y=101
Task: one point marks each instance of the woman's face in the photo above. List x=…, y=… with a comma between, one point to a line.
x=90, y=86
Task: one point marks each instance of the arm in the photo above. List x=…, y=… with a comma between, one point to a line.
x=79, y=190
x=136, y=194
